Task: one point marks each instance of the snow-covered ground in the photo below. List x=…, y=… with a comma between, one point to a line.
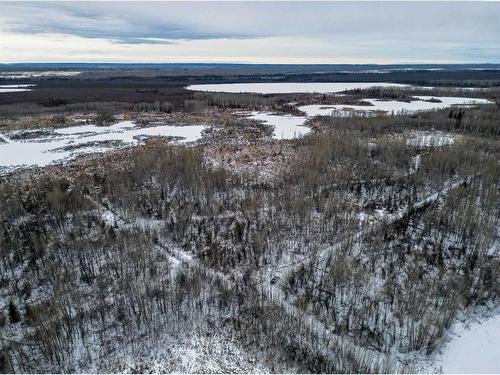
x=15, y=88
x=285, y=126
x=195, y=354
x=476, y=348
x=391, y=106
x=66, y=143
x=290, y=87
x=430, y=140
x=469, y=346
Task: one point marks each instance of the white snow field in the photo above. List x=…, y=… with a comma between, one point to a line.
x=15, y=88
x=80, y=140
x=285, y=126
x=423, y=103
x=472, y=348
x=290, y=87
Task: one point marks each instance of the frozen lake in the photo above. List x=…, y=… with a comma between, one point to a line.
x=67, y=143
x=423, y=103
x=290, y=87
x=35, y=74
x=15, y=88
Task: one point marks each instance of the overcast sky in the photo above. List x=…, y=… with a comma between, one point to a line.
x=254, y=32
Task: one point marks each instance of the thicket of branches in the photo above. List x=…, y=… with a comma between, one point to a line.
x=346, y=238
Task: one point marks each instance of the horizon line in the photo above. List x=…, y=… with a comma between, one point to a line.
x=242, y=63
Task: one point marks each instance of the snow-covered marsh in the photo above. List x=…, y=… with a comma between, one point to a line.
x=290, y=87
x=67, y=143
x=290, y=126
x=422, y=103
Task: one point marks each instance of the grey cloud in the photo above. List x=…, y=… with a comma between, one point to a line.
x=123, y=22
x=202, y=20
x=432, y=30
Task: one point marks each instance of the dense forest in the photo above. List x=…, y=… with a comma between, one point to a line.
x=354, y=256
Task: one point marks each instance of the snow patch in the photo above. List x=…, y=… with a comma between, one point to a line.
x=429, y=140
x=285, y=126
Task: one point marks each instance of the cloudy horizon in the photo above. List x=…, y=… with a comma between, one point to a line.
x=250, y=32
